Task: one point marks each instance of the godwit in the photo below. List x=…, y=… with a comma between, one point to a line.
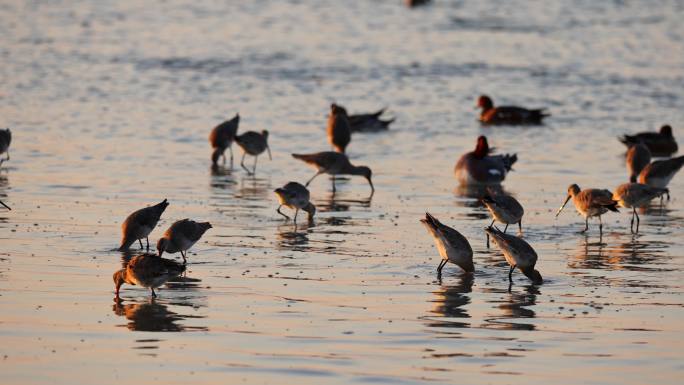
x=508, y=114
x=367, y=122
x=296, y=197
x=147, y=270
x=253, y=143
x=334, y=163
x=452, y=246
x=518, y=253
x=5, y=140
x=479, y=168
x=181, y=236
x=140, y=224
x=660, y=143
x=339, y=131
x=633, y=195
x=660, y=173
x=589, y=203
x=3, y=203
x=221, y=138
x=504, y=208
x=638, y=157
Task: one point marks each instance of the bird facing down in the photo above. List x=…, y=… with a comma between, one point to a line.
x=660, y=172
x=296, y=197
x=339, y=130
x=253, y=143
x=140, y=224
x=452, y=246
x=334, y=163
x=508, y=114
x=479, y=168
x=638, y=157
x=367, y=122
x=590, y=203
x=505, y=209
x=661, y=143
x=221, y=138
x=633, y=195
x=518, y=253
x=181, y=236
x=5, y=140
x=147, y=270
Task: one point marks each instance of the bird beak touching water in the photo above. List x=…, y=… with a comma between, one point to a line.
x=564, y=203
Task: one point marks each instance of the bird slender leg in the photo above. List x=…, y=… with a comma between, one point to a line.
x=631, y=223
x=586, y=225
x=441, y=266
x=312, y=178
x=490, y=225
x=505, y=228
x=254, y=168
x=231, y=156
x=637, y=217
x=141, y=246
x=242, y=163
x=520, y=226
x=295, y=217
x=148, y=243
x=600, y=227
x=281, y=213
x=154, y=295
x=333, y=182
x=668, y=193
x=183, y=255
x=510, y=274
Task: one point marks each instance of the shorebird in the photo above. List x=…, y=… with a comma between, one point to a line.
x=452, y=246
x=479, y=168
x=633, y=195
x=253, y=143
x=589, y=203
x=221, y=138
x=367, y=122
x=660, y=173
x=181, y=236
x=508, y=114
x=296, y=197
x=638, y=157
x=334, y=163
x=5, y=140
x=339, y=130
x=140, y=224
x=147, y=270
x=416, y=3
x=518, y=253
x=660, y=143
x=505, y=209
x=3, y=203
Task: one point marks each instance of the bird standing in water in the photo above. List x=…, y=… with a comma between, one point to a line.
x=508, y=114
x=147, y=270
x=181, y=236
x=5, y=140
x=334, y=163
x=633, y=195
x=518, y=253
x=253, y=143
x=590, y=203
x=504, y=208
x=139, y=225
x=296, y=197
x=222, y=137
x=339, y=130
x=452, y=246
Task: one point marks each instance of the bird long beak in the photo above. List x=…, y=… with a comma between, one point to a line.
x=269, y=153
x=562, y=206
x=3, y=203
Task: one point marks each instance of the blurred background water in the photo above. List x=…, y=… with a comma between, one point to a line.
x=111, y=103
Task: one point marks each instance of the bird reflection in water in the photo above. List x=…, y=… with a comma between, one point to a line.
x=633, y=255
x=254, y=188
x=294, y=236
x=514, y=305
x=450, y=302
x=337, y=204
x=152, y=316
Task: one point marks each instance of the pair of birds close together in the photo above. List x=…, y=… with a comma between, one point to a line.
x=151, y=270
x=251, y=142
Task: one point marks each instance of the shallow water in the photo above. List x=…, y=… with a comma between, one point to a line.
x=111, y=105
